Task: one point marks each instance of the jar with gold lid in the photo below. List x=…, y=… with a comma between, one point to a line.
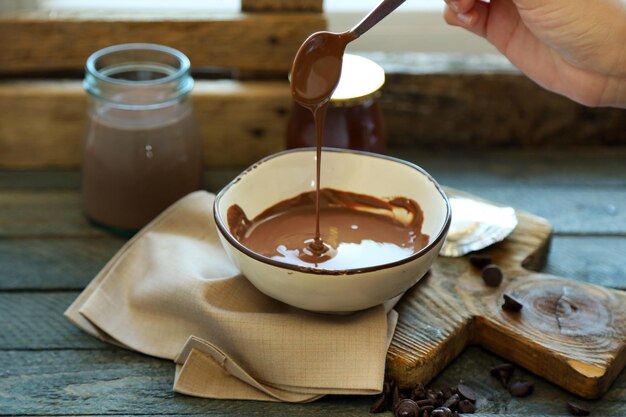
x=354, y=119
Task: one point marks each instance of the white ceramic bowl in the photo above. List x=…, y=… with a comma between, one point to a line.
x=289, y=173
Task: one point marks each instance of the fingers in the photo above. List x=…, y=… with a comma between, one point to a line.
x=473, y=19
x=460, y=6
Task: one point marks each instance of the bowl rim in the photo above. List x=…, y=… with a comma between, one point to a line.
x=223, y=228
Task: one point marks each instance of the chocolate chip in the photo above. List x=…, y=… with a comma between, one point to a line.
x=418, y=393
x=521, y=388
x=466, y=407
x=503, y=373
x=480, y=261
x=577, y=410
x=511, y=304
x=452, y=402
x=466, y=392
x=406, y=408
x=447, y=391
x=492, y=275
x=441, y=412
x=428, y=408
x=380, y=405
x=425, y=402
x=426, y=413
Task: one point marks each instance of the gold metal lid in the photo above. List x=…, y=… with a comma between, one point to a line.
x=361, y=79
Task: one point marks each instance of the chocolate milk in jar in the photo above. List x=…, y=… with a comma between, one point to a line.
x=142, y=151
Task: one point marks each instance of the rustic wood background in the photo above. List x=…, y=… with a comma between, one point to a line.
x=429, y=100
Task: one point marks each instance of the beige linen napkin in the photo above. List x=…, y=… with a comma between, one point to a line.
x=172, y=292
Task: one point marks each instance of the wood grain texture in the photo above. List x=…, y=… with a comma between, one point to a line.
x=117, y=382
x=34, y=264
x=33, y=321
x=282, y=5
x=42, y=40
x=573, y=168
x=240, y=122
x=478, y=101
x=44, y=264
x=583, y=210
x=570, y=333
x=430, y=100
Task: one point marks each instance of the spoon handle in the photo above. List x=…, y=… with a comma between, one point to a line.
x=381, y=11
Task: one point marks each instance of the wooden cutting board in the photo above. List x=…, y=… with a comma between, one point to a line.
x=571, y=333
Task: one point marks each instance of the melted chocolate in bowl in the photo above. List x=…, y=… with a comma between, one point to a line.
x=351, y=230
x=357, y=230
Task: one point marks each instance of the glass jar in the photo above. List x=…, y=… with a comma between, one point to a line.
x=354, y=119
x=142, y=151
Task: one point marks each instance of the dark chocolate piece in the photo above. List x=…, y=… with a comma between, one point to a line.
x=577, y=409
x=492, y=275
x=521, y=388
x=480, y=260
x=441, y=412
x=466, y=392
x=406, y=408
x=511, y=304
x=503, y=373
x=452, y=402
x=466, y=407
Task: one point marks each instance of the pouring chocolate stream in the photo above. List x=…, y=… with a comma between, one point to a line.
x=314, y=76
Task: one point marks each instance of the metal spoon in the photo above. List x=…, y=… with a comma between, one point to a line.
x=379, y=13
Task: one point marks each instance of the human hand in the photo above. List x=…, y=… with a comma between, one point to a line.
x=576, y=48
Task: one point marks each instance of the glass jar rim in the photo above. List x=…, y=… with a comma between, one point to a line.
x=184, y=63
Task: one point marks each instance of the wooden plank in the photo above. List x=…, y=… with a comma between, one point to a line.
x=43, y=264
x=478, y=101
x=53, y=40
x=115, y=382
x=40, y=323
x=571, y=210
x=44, y=214
x=282, y=5
x=500, y=167
x=240, y=122
x=473, y=109
x=69, y=264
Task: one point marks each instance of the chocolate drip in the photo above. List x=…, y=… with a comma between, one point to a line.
x=314, y=76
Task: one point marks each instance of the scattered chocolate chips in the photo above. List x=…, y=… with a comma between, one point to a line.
x=511, y=304
x=521, y=388
x=480, y=261
x=406, y=408
x=466, y=392
x=380, y=405
x=441, y=412
x=466, y=407
x=577, y=410
x=492, y=275
x=503, y=373
x=418, y=401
